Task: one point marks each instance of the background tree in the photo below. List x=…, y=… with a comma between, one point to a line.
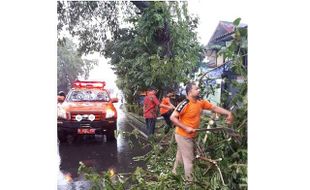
x=92, y=22
x=70, y=65
x=156, y=46
x=161, y=49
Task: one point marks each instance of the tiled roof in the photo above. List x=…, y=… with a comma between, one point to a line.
x=222, y=33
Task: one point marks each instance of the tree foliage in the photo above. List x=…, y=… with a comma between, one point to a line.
x=221, y=156
x=161, y=49
x=70, y=65
x=231, y=148
x=92, y=22
x=155, y=47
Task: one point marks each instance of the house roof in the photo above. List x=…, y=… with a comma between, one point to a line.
x=222, y=33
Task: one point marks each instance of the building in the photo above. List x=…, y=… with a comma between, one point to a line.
x=217, y=66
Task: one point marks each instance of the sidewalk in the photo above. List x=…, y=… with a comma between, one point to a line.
x=138, y=122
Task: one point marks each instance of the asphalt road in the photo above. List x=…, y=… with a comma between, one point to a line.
x=102, y=156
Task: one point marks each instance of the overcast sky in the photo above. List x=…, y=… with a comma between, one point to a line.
x=209, y=13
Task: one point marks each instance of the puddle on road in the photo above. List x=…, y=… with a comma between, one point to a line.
x=114, y=156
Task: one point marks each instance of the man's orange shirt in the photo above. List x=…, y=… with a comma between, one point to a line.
x=189, y=114
x=164, y=101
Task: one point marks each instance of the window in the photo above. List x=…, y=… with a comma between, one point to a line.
x=88, y=96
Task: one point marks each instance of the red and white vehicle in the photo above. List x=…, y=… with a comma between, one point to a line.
x=87, y=110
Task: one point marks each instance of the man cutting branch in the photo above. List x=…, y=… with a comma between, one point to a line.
x=186, y=117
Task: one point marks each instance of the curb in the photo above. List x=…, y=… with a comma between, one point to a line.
x=138, y=122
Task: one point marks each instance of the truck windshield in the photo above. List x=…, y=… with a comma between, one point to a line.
x=88, y=96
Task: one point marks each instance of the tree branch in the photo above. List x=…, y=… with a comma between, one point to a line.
x=214, y=162
x=243, y=122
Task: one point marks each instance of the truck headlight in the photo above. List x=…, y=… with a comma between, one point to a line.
x=109, y=113
x=78, y=117
x=91, y=117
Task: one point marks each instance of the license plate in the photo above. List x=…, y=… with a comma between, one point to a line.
x=86, y=131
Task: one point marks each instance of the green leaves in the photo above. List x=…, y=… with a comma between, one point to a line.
x=70, y=65
x=233, y=150
x=93, y=22
x=158, y=47
x=237, y=21
x=160, y=159
x=159, y=51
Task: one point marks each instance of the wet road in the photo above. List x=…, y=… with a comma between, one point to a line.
x=102, y=156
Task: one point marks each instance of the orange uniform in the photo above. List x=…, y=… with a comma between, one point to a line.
x=189, y=114
x=166, y=102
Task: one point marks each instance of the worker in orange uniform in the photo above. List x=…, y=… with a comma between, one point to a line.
x=186, y=117
x=166, y=109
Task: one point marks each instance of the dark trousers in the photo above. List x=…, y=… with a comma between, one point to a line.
x=167, y=117
x=150, y=125
x=168, y=121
